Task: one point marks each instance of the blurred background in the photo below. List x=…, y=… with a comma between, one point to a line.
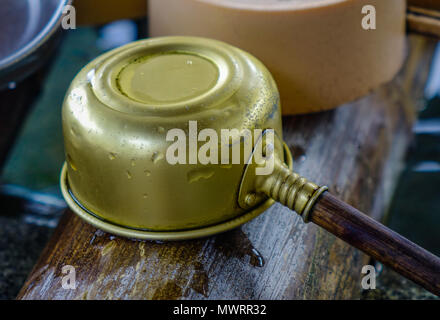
x=31, y=203
x=30, y=199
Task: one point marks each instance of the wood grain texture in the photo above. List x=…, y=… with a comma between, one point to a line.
x=356, y=150
x=378, y=241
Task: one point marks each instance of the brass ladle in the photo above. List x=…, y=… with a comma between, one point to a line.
x=118, y=113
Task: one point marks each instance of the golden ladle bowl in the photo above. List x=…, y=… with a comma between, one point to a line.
x=116, y=117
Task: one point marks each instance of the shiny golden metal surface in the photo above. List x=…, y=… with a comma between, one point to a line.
x=126, y=231
x=116, y=116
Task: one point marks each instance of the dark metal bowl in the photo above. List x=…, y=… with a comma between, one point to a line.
x=29, y=33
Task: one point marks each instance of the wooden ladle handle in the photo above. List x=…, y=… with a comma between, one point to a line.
x=378, y=241
x=314, y=204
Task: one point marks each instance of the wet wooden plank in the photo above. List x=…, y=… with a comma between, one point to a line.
x=356, y=150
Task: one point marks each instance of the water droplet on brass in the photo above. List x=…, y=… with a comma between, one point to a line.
x=76, y=96
x=90, y=75
x=71, y=163
x=129, y=176
x=156, y=157
x=145, y=196
x=250, y=199
x=133, y=162
x=73, y=132
x=112, y=156
x=147, y=173
x=197, y=174
x=161, y=129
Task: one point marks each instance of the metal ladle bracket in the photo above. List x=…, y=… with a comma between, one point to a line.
x=314, y=204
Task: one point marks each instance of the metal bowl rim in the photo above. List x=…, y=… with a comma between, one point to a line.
x=36, y=42
x=128, y=232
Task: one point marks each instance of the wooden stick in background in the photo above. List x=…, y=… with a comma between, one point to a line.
x=423, y=21
x=300, y=261
x=427, y=4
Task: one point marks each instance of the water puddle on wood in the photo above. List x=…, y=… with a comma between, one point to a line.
x=236, y=243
